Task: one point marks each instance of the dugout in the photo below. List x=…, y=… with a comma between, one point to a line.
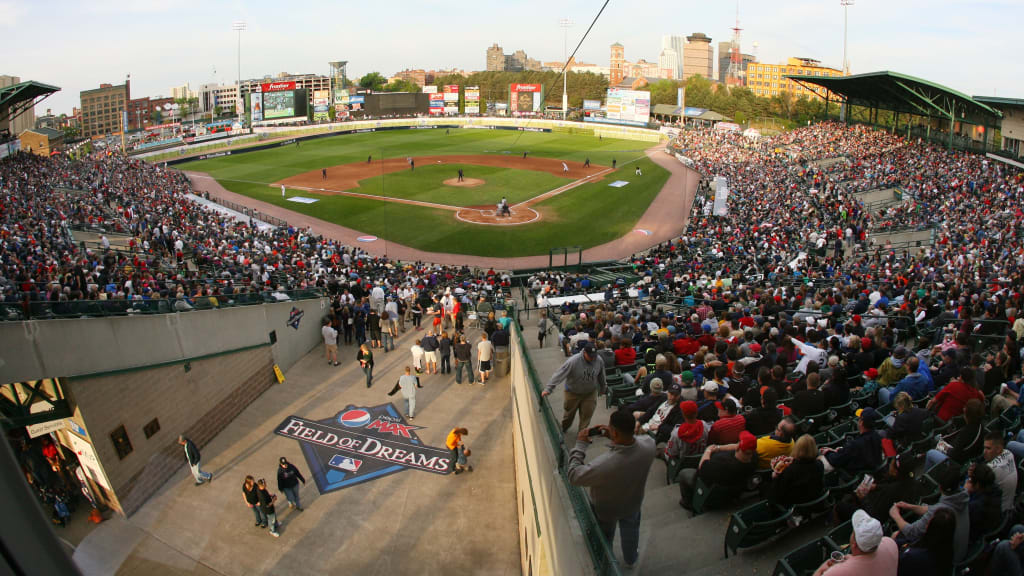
x=385, y=104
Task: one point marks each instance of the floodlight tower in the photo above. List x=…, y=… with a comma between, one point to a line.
x=239, y=26
x=565, y=23
x=846, y=13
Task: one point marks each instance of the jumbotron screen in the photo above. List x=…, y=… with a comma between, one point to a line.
x=279, y=104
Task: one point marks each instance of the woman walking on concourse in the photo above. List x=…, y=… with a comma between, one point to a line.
x=365, y=358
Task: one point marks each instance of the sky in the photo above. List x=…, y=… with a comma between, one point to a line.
x=968, y=45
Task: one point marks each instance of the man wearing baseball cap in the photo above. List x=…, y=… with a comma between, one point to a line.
x=861, y=453
x=583, y=376
x=690, y=437
x=729, y=469
x=871, y=551
x=660, y=420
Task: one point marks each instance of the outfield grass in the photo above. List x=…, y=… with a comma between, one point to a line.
x=588, y=215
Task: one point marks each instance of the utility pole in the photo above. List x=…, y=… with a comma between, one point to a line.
x=239, y=26
x=565, y=23
x=846, y=13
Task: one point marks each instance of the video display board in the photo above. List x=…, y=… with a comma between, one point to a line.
x=525, y=99
x=628, y=106
x=279, y=104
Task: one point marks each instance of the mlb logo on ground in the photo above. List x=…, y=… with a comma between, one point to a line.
x=345, y=463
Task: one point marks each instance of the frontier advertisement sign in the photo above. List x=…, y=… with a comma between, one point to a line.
x=525, y=99
x=360, y=444
x=472, y=98
x=277, y=86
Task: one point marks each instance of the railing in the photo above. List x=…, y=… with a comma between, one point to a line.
x=50, y=310
x=250, y=212
x=600, y=550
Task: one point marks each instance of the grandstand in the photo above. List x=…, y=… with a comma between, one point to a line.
x=838, y=241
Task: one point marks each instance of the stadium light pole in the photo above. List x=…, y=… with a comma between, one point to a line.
x=239, y=26
x=846, y=13
x=565, y=23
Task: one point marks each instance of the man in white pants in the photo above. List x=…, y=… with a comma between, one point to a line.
x=565, y=168
x=192, y=457
x=282, y=191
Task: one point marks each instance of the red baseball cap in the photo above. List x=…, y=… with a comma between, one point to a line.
x=748, y=443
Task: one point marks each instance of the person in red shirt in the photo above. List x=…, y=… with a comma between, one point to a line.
x=950, y=401
x=625, y=355
x=726, y=430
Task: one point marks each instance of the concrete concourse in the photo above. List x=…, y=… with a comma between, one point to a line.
x=405, y=523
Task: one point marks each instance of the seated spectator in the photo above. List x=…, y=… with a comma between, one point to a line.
x=871, y=551
x=933, y=553
x=836, y=388
x=689, y=391
x=691, y=436
x=986, y=499
x=1008, y=557
x=950, y=401
x=864, y=452
x=877, y=497
x=609, y=357
x=764, y=418
x=1001, y=461
x=707, y=408
x=799, y=477
x=964, y=443
x=659, y=420
x=954, y=498
x=648, y=401
x=893, y=369
x=915, y=383
x=625, y=354
x=810, y=401
x=1007, y=397
x=661, y=370
x=778, y=443
x=907, y=421
x=726, y=430
x=721, y=468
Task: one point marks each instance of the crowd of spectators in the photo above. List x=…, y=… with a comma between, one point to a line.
x=838, y=359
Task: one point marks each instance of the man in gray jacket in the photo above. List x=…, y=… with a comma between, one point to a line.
x=616, y=479
x=408, y=384
x=583, y=374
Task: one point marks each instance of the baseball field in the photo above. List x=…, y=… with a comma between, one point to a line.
x=404, y=186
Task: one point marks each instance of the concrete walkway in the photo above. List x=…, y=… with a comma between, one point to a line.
x=406, y=523
x=665, y=218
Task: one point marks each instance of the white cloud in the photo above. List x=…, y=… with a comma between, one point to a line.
x=10, y=14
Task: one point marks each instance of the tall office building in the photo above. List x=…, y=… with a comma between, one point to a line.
x=668, y=64
x=676, y=44
x=724, y=56
x=102, y=108
x=495, y=58
x=698, y=56
x=618, y=62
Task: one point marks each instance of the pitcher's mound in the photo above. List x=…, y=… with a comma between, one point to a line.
x=466, y=182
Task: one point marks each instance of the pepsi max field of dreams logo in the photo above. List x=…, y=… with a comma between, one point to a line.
x=360, y=444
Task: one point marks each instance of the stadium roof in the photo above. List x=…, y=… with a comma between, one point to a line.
x=998, y=102
x=17, y=98
x=902, y=93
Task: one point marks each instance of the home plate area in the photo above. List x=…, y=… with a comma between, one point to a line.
x=489, y=215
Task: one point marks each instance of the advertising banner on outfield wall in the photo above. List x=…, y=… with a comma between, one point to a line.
x=256, y=106
x=451, y=99
x=472, y=97
x=525, y=99
x=430, y=89
x=277, y=86
x=628, y=105
x=436, y=104
x=591, y=104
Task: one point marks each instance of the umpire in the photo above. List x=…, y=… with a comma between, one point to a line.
x=583, y=374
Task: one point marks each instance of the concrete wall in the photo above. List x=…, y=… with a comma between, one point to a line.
x=197, y=399
x=39, y=349
x=551, y=542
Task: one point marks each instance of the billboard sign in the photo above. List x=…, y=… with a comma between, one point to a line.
x=525, y=99
x=430, y=89
x=256, y=106
x=321, y=104
x=629, y=105
x=591, y=104
x=472, y=97
x=277, y=87
x=360, y=444
x=436, y=104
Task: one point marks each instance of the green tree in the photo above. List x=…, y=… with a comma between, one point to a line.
x=373, y=81
x=217, y=111
x=156, y=116
x=402, y=85
x=664, y=92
